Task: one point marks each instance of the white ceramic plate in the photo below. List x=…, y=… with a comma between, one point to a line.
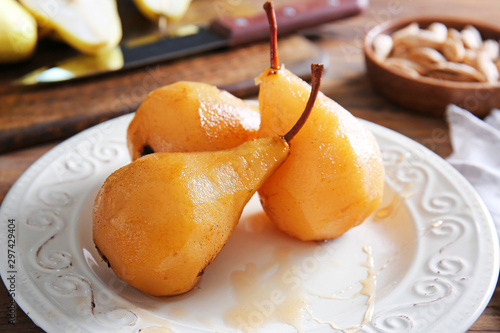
x=426, y=261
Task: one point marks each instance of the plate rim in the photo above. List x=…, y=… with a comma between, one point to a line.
x=31, y=172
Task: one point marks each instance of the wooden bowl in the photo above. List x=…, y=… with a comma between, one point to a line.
x=425, y=94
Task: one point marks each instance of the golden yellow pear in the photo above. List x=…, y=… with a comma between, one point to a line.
x=334, y=177
x=162, y=219
x=18, y=32
x=191, y=116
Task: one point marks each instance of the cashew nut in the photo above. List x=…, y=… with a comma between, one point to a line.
x=382, y=46
x=406, y=66
x=426, y=56
x=455, y=72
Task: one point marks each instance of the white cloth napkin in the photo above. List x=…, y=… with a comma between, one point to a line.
x=476, y=154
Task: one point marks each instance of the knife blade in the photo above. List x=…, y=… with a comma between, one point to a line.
x=221, y=33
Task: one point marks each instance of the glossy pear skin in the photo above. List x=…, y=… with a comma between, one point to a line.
x=161, y=220
x=334, y=177
x=191, y=116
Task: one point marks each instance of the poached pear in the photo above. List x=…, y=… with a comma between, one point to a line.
x=344, y=181
x=18, y=32
x=191, y=116
x=170, y=9
x=162, y=219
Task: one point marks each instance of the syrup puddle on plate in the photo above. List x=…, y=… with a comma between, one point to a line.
x=265, y=281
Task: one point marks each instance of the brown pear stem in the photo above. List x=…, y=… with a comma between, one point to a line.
x=273, y=26
x=316, y=75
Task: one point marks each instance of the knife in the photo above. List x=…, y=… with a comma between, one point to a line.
x=222, y=32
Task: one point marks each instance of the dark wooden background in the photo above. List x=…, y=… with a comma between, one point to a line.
x=35, y=119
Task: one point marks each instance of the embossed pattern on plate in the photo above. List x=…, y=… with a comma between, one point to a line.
x=434, y=250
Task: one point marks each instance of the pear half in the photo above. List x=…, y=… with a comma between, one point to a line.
x=90, y=26
x=334, y=177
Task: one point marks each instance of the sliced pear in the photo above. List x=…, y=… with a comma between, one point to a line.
x=90, y=26
x=18, y=32
x=334, y=177
x=171, y=9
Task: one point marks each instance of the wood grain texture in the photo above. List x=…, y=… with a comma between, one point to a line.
x=345, y=81
x=30, y=115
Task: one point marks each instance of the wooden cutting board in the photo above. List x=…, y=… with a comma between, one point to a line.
x=32, y=115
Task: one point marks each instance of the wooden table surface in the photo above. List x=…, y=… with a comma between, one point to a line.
x=345, y=81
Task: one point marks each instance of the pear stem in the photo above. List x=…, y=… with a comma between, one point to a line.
x=316, y=75
x=273, y=26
